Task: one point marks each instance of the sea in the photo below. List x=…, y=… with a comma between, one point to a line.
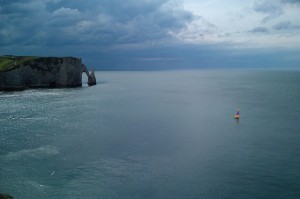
x=155, y=134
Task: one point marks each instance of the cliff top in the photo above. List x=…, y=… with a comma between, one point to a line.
x=9, y=62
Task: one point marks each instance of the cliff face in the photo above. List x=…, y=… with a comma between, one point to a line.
x=42, y=72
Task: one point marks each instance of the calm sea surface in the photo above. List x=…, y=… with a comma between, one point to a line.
x=164, y=134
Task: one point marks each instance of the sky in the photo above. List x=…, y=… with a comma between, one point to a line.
x=155, y=34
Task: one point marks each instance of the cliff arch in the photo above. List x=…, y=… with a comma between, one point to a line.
x=91, y=76
x=21, y=72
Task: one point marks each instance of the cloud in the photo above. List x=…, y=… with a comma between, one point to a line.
x=291, y=1
x=155, y=59
x=259, y=30
x=103, y=22
x=199, y=30
x=266, y=7
x=63, y=12
x=285, y=25
x=271, y=9
x=146, y=31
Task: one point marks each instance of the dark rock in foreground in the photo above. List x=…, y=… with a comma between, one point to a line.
x=19, y=73
x=5, y=196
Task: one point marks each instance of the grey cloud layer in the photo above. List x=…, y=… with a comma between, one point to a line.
x=269, y=8
x=259, y=30
x=104, y=22
x=285, y=25
x=273, y=10
x=135, y=33
x=291, y=1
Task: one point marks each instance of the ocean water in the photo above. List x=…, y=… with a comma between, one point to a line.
x=166, y=134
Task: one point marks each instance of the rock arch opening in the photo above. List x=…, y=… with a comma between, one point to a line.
x=91, y=76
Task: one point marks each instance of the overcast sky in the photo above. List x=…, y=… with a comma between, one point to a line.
x=155, y=34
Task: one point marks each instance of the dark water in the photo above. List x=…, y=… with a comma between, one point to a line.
x=155, y=135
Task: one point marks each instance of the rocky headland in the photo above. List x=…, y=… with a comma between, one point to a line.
x=21, y=72
x=5, y=196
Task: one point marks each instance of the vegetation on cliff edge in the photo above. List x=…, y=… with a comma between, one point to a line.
x=9, y=62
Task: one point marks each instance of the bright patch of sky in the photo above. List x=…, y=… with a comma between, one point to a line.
x=274, y=23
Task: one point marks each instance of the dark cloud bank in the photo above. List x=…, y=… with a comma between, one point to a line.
x=119, y=35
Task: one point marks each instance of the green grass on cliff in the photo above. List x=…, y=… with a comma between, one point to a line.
x=11, y=62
